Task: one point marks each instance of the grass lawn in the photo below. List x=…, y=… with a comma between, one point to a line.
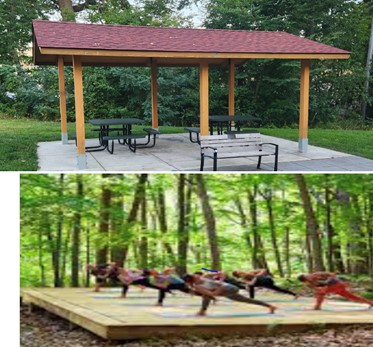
x=357, y=142
x=19, y=138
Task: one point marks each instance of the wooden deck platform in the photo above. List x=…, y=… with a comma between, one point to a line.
x=111, y=317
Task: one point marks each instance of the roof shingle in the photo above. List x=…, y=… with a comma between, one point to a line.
x=69, y=35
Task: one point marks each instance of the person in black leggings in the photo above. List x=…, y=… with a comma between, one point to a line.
x=210, y=288
x=260, y=278
x=143, y=278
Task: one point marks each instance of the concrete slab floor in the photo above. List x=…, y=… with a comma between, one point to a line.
x=174, y=152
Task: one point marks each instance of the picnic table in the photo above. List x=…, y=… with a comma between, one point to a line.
x=122, y=126
x=225, y=121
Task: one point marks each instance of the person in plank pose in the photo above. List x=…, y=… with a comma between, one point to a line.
x=103, y=273
x=210, y=288
x=100, y=272
x=167, y=281
x=324, y=283
x=222, y=277
x=141, y=278
x=260, y=278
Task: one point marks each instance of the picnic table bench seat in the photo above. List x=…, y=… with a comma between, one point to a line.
x=236, y=145
x=129, y=139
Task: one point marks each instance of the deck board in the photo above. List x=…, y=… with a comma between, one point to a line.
x=111, y=317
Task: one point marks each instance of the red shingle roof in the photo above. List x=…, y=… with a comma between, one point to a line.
x=69, y=35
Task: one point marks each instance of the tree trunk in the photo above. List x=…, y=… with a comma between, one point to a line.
x=75, y=249
x=140, y=191
x=329, y=227
x=313, y=229
x=106, y=195
x=209, y=218
x=268, y=198
x=259, y=259
x=116, y=222
x=64, y=256
x=40, y=257
x=370, y=232
x=183, y=236
x=88, y=256
x=56, y=256
x=358, y=243
x=162, y=219
x=66, y=10
x=143, y=247
x=245, y=227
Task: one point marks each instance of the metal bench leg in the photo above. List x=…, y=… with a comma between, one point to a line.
x=259, y=162
x=202, y=161
x=276, y=161
x=132, y=147
x=111, y=151
x=215, y=161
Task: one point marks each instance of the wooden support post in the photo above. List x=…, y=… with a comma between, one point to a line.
x=61, y=84
x=304, y=105
x=79, y=112
x=154, y=90
x=204, y=98
x=231, y=89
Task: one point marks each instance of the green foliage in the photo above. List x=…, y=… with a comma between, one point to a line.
x=43, y=199
x=267, y=88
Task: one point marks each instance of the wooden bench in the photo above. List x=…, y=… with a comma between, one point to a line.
x=193, y=131
x=129, y=139
x=236, y=145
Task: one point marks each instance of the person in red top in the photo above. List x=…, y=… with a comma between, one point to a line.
x=324, y=283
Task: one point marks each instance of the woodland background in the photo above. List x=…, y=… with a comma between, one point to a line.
x=340, y=90
x=288, y=223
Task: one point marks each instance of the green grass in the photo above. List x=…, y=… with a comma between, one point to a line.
x=357, y=142
x=19, y=138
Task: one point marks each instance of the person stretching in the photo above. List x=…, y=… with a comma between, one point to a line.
x=260, y=278
x=209, y=288
x=137, y=278
x=100, y=272
x=324, y=283
x=167, y=281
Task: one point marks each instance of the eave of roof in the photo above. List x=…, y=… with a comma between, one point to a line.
x=138, y=46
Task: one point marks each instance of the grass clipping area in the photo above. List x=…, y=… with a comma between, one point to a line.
x=19, y=139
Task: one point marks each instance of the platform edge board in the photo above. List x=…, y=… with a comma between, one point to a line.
x=144, y=332
x=88, y=320
x=109, y=327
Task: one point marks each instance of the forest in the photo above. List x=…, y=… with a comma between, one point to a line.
x=288, y=223
x=340, y=90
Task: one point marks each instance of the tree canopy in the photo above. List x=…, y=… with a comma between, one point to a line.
x=287, y=223
x=267, y=88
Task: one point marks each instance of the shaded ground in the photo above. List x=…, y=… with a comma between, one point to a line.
x=40, y=329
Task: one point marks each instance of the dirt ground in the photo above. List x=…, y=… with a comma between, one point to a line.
x=41, y=329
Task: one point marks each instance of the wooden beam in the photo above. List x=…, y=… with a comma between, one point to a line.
x=79, y=111
x=204, y=98
x=195, y=55
x=61, y=84
x=154, y=91
x=231, y=89
x=304, y=105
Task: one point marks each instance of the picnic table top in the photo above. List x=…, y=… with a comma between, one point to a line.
x=227, y=118
x=115, y=121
